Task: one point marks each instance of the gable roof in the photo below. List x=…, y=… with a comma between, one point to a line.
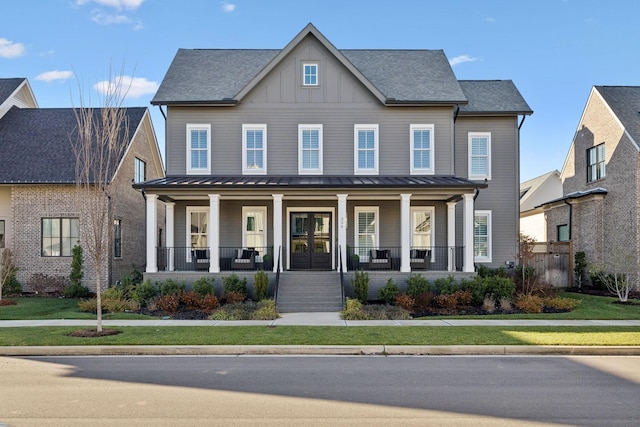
x=493, y=97
x=35, y=144
x=624, y=101
x=221, y=76
x=9, y=86
x=532, y=191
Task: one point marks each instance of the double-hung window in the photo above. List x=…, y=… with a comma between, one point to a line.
x=254, y=227
x=139, y=170
x=254, y=149
x=310, y=149
x=198, y=149
x=479, y=155
x=596, y=163
x=422, y=152
x=366, y=230
x=482, y=236
x=310, y=74
x=366, y=149
x=59, y=236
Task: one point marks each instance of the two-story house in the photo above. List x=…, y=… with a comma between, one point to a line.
x=317, y=158
x=600, y=207
x=39, y=216
x=533, y=193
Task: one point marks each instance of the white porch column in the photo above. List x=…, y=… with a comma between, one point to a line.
x=152, y=233
x=277, y=231
x=405, y=233
x=451, y=235
x=213, y=233
x=467, y=233
x=170, y=234
x=342, y=229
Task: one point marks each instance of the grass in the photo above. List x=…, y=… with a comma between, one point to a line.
x=317, y=335
x=54, y=308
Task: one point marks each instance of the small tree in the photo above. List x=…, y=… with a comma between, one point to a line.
x=526, y=274
x=7, y=268
x=580, y=267
x=360, y=284
x=75, y=278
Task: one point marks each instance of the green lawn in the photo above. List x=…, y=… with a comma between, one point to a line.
x=54, y=308
x=320, y=335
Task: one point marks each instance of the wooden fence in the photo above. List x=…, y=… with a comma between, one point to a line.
x=553, y=261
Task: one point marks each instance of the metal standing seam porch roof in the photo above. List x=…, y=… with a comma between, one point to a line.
x=296, y=182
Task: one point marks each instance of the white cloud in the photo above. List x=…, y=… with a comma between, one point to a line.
x=118, y=4
x=49, y=76
x=228, y=7
x=127, y=86
x=461, y=59
x=9, y=49
x=108, y=19
x=490, y=20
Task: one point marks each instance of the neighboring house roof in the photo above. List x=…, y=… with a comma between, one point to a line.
x=310, y=181
x=224, y=76
x=577, y=195
x=624, y=101
x=8, y=87
x=493, y=96
x=36, y=147
x=540, y=189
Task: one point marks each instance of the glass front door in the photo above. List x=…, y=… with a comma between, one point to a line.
x=310, y=241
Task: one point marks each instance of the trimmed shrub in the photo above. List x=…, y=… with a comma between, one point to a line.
x=190, y=300
x=132, y=278
x=233, y=283
x=404, y=301
x=172, y=287
x=529, y=303
x=559, y=303
x=388, y=292
x=76, y=267
x=203, y=286
x=88, y=305
x=423, y=301
x=266, y=310
x=417, y=284
x=144, y=292
x=501, y=287
x=209, y=303
x=168, y=303
x=353, y=310
x=446, y=285
x=237, y=311
x=260, y=285
x=11, y=287
x=360, y=284
x=234, y=297
x=76, y=291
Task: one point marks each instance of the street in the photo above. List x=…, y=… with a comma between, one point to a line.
x=320, y=390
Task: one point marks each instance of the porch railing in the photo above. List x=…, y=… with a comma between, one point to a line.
x=435, y=258
x=199, y=259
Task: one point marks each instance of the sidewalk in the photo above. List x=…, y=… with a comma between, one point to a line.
x=319, y=319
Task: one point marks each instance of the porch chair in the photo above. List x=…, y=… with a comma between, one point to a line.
x=200, y=259
x=420, y=259
x=379, y=259
x=245, y=259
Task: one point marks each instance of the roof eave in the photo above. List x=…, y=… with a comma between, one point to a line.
x=202, y=103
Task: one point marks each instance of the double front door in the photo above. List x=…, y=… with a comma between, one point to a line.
x=310, y=241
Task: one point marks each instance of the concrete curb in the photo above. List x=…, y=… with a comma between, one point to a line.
x=380, y=350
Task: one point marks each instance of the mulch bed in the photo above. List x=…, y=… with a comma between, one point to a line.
x=93, y=333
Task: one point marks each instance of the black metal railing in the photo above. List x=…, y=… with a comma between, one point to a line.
x=230, y=258
x=277, y=285
x=435, y=258
x=341, y=269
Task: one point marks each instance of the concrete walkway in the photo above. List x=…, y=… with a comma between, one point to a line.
x=318, y=319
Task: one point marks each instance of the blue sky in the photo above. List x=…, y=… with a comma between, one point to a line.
x=553, y=50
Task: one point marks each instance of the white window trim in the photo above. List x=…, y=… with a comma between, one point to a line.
x=245, y=211
x=190, y=210
x=431, y=169
x=301, y=169
x=376, y=242
x=138, y=163
x=315, y=64
x=376, y=149
x=198, y=171
x=489, y=256
x=432, y=234
x=246, y=170
x=480, y=135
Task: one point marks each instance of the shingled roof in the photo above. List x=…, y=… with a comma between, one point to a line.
x=223, y=76
x=35, y=144
x=8, y=86
x=625, y=103
x=493, y=97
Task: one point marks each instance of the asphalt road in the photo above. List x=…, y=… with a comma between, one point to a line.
x=320, y=390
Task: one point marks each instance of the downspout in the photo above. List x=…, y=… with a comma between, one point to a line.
x=162, y=112
x=570, y=215
x=521, y=121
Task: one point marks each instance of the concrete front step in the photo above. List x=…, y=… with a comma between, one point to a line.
x=309, y=292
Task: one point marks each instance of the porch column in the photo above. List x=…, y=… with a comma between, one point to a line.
x=342, y=229
x=405, y=233
x=277, y=232
x=467, y=233
x=451, y=235
x=213, y=233
x=170, y=234
x=152, y=226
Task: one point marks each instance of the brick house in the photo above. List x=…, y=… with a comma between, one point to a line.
x=312, y=159
x=39, y=218
x=600, y=207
